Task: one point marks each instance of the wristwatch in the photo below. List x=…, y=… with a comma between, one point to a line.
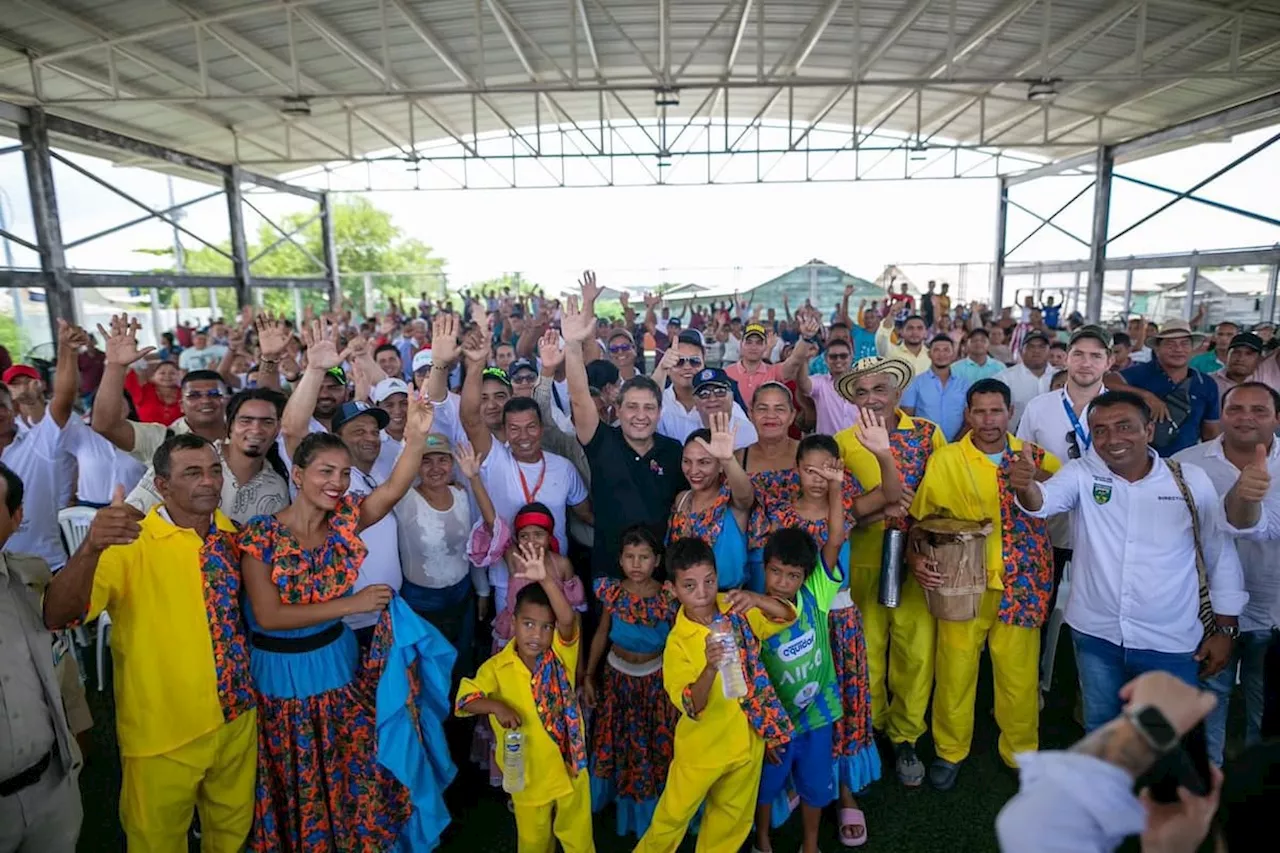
x=1230, y=631
x=1154, y=727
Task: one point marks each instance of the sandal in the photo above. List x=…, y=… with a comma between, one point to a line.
x=853, y=818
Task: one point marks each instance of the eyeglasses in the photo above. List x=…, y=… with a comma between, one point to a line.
x=524, y=378
x=620, y=348
x=719, y=392
x=214, y=394
x=689, y=361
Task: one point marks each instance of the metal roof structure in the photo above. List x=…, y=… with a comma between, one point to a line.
x=993, y=86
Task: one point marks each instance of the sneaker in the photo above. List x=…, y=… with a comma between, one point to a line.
x=910, y=767
x=942, y=775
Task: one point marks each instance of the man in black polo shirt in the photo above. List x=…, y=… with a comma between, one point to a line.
x=635, y=473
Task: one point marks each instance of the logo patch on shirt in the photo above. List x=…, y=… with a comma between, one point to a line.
x=1101, y=493
x=797, y=647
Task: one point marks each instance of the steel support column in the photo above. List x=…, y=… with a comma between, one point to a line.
x=1098, y=238
x=239, y=244
x=1002, y=234
x=1269, y=307
x=44, y=213
x=330, y=246
x=1128, y=293
x=1188, y=304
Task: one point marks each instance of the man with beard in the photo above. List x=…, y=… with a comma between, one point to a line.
x=1243, y=355
x=973, y=479
x=900, y=640
x=1250, y=416
x=911, y=348
x=1141, y=599
x=186, y=718
x=683, y=410
x=1059, y=422
x=360, y=426
x=519, y=471
x=242, y=433
x=635, y=473
x=32, y=445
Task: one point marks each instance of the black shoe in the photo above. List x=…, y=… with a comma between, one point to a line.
x=942, y=775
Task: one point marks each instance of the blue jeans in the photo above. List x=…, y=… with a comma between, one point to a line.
x=1250, y=654
x=1105, y=667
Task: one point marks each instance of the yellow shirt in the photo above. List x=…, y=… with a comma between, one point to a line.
x=865, y=542
x=504, y=676
x=960, y=482
x=721, y=734
x=166, y=684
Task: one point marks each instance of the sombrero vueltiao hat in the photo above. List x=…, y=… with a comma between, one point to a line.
x=899, y=369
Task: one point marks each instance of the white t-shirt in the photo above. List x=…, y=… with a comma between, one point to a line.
x=561, y=487
x=387, y=456
x=202, y=359
x=677, y=422
x=101, y=466
x=1045, y=423
x=433, y=543
x=382, y=563
x=33, y=456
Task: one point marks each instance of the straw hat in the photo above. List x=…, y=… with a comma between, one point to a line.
x=899, y=369
x=1176, y=329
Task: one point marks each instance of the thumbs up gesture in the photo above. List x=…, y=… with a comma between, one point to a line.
x=1254, y=479
x=116, y=524
x=1024, y=469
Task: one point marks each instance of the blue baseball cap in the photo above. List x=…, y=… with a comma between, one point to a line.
x=711, y=376
x=354, y=409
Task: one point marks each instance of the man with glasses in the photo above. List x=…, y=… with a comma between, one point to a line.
x=681, y=407
x=834, y=412
x=1183, y=401
x=244, y=441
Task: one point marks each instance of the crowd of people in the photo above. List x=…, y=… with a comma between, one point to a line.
x=702, y=568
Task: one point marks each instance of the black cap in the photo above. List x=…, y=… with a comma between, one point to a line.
x=521, y=364
x=1035, y=335
x=1096, y=333
x=354, y=409
x=1248, y=340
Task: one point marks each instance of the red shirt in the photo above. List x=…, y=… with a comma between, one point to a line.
x=151, y=409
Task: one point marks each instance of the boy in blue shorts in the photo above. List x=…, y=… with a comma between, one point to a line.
x=798, y=660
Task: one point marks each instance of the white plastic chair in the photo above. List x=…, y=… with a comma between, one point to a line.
x=74, y=522
x=1056, y=618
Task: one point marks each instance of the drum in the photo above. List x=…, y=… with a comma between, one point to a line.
x=959, y=550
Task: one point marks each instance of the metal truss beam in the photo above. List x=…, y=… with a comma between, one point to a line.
x=1046, y=221
x=239, y=243
x=1216, y=258
x=125, y=281
x=163, y=213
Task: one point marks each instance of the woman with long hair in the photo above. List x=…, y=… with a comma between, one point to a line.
x=328, y=777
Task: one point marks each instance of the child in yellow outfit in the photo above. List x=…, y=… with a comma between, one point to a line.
x=529, y=687
x=720, y=742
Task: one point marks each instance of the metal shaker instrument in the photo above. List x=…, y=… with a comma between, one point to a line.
x=892, y=564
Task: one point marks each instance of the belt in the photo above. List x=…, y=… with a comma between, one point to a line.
x=27, y=777
x=298, y=645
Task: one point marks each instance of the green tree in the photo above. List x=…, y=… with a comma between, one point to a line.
x=366, y=240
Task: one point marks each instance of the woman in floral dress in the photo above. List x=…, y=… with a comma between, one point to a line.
x=329, y=778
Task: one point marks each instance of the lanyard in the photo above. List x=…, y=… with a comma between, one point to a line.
x=524, y=484
x=1085, y=440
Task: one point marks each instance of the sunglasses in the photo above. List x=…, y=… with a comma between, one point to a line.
x=1073, y=445
x=620, y=348
x=689, y=361
x=717, y=392
x=215, y=394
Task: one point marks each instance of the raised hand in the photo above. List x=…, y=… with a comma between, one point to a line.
x=71, y=337
x=420, y=417
x=810, y=326
x=322, y=347
x=1023, y=472
x=116, y=524
x=475, y=349
x=468, y=462
x=624, y=299
x=1254, y=480
x=577, y=325
x=357, y=347
x=531, y=562
x=444, y=338
x=549, y=351
x=669, y=359
x=723, y=435
x=652, y=301
x=871, y=431
x=273, y=336
x=589, y=290
x=121, y=344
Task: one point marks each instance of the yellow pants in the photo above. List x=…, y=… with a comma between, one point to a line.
x=567, y=819
x=213, y=774
x=900, y=644
x=730, y=795
x=1015, y=665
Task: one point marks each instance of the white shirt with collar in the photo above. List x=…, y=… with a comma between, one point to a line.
x=1024, y=386
x=1259, y=560
x=1045, y=423
x=387, y=456
x=382, y=562
x=34, y=456
x=678, y=423
x=1133, y=574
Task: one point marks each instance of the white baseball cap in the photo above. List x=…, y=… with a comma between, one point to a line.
x=386, y=388
x=421, y=360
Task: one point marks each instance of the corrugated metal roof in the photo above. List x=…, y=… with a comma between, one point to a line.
x=209, y=77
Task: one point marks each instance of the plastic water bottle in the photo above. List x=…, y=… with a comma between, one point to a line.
x=512, y=762
x=732, y=680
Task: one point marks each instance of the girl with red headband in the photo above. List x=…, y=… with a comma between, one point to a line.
x=535, y=526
